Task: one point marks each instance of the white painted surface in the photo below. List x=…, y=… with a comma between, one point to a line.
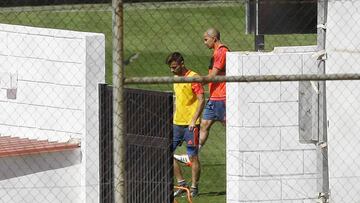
x=265, y=160
x=296, y=179
x=343, y=49
x=58, y=72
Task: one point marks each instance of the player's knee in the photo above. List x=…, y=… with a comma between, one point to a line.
x=205, y=126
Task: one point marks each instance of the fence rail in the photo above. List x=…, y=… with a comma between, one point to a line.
x=247, y=78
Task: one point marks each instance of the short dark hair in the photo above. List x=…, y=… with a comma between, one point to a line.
x=175, y=56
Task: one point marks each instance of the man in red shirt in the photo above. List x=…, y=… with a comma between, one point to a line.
x=215, y=107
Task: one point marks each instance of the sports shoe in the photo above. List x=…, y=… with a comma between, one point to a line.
x=183, y=159
x=194, y=191
x=181, y=192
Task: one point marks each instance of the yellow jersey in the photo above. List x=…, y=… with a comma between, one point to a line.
x=186, y=101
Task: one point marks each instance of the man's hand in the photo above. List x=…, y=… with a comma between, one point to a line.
x=192, y=125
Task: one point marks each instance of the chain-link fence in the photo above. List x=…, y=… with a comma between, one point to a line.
x=291, y=109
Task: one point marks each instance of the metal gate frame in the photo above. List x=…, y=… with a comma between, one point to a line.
x=149, y=161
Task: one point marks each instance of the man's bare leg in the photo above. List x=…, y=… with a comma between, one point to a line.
x=204, y=130
x=177, y=172
x=195, y=170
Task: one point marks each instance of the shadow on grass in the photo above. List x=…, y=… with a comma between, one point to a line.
x=209, y=165
x=212, y=193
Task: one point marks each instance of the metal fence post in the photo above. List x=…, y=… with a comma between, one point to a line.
x=322, y=149
x=119, y=114
x=259, y=39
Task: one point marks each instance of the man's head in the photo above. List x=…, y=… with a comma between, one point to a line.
x=211, y=37
x=175, y=61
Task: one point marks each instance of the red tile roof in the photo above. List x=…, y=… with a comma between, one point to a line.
x=15, y=146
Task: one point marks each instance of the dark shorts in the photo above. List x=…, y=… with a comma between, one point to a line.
x=181, y=133
x=215, y=111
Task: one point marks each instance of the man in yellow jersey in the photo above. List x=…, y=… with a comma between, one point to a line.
x=189, y=102
x=215, y=107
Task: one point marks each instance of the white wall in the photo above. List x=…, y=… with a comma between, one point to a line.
x=343, y=50
x=265, y=160
x=56, y=99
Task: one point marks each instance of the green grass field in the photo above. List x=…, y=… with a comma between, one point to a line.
x=155, y=31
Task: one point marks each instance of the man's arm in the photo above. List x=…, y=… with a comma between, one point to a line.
x=218, y=64
x=199, y=108
x=214, y=72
